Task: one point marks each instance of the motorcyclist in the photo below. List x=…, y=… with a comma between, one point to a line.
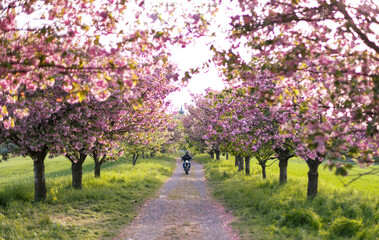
x=187, y=157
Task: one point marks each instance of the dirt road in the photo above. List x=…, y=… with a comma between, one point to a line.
x=182, y=210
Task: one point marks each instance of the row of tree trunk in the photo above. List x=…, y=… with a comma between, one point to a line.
x=77, y=159
x=283, y=157
x=243, y=163
x=215, y=152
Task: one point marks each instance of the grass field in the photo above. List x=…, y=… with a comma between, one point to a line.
x=267, y=210
x=96, y=212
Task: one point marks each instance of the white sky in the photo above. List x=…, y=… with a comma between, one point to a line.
x=190, y=57
x=195, y=55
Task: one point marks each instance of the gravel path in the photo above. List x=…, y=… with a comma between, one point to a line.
x=182, y=210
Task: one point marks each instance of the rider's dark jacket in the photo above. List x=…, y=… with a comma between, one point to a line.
x=186, y=157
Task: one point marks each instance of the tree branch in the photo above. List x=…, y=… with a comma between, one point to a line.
x=373, y=171
x=342, y=8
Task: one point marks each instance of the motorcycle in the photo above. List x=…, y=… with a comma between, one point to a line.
x=186, y=166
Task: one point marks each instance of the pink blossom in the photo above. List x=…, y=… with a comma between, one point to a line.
x=7, y=124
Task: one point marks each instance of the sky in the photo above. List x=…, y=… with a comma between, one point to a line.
x=195, y=55
x=190, y=57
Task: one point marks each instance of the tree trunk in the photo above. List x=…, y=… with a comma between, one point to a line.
x=202, y=150
x=263, y=170
x=135, y=157
x=39, y=174
x=283, y=163
x=313, y=165
x=247, y=165
x=236, y=160
x=227, y=156
x=283, y=156
x=77, y=171
x=212, y=154
x=98, y=163
x=240, y=163
x=217, y=154
x=97, y=169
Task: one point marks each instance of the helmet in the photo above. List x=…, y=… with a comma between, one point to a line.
x=186, y=152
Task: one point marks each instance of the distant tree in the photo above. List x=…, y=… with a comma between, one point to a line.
x=6, y=149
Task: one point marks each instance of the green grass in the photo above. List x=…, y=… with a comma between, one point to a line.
x=96, y=212
x=266, y=209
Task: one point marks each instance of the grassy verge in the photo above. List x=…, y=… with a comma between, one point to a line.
x=268, y=210
x=98, y=211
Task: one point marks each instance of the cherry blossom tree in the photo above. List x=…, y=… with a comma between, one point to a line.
x=323, y=56
x=101, y=153
x=33, y=130
x=194, y=139
x=46, y=50
x=174, y=134
x=89, y=129
x=149, y=135
x=202, y=118
x=41, y=40
x=51, y=120
x=105, y=124
x=246, y=125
